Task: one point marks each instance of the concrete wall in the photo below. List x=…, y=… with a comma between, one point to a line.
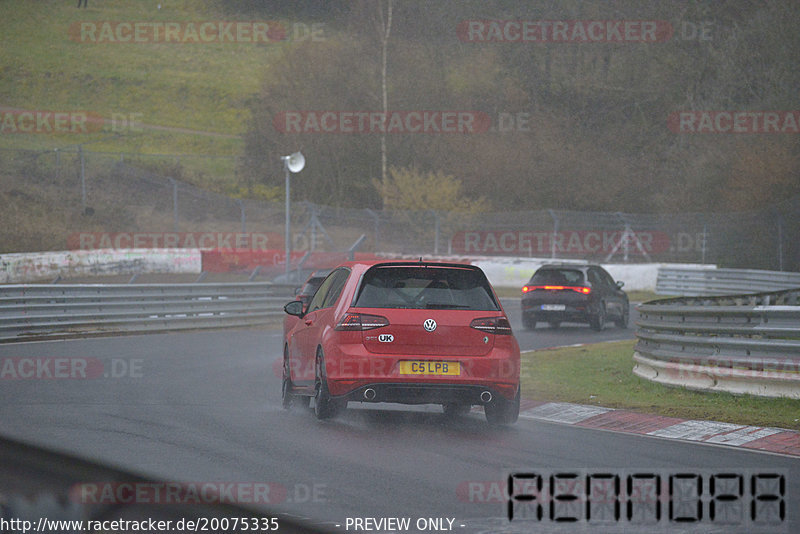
x=30, y=267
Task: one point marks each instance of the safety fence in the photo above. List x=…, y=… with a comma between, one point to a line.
x=63, y=311
x=106, y=195
x=697, y=281
x=740, y=344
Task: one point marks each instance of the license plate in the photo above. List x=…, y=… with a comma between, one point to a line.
x=554, y=307
x=429, y=368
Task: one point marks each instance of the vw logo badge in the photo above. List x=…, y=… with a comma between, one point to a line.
x=430, y=325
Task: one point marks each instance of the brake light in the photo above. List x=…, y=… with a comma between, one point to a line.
x=492, y=325
x=578, y=289
x=360, y=321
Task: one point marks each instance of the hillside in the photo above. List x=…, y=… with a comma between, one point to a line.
x=565, y=122
x=47, y=64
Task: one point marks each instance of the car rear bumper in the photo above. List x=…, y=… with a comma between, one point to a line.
x=580, y=311
x=405, y=393
x=572, y=316
x=350, y=368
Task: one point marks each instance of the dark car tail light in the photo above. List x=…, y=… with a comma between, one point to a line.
x=360, y=321
x=578, y=289
x=492, y=325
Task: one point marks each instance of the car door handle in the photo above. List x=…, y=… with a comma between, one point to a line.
x=309, y=322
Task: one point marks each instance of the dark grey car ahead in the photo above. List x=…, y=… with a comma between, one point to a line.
x=574, y=293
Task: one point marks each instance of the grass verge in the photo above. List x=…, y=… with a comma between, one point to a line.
x=602, y=375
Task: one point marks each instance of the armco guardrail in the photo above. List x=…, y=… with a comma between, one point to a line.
x=59, y=311
x=704, y=281
x=740, y=344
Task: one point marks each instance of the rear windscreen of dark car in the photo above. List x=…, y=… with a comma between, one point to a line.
x=557, y=277
x=311, y=285
x=426, y=287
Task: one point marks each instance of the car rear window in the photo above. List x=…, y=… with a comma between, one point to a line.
x=557, y=277
x=426, y=287
x=311, y=285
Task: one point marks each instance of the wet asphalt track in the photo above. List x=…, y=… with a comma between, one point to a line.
x=205, y=406
x=567, y=334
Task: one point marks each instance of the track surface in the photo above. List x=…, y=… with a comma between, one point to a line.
x=205, y=407
x=566, y=334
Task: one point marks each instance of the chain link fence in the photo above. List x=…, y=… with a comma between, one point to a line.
x=103, y=192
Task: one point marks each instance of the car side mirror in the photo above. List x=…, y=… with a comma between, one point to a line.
x=295, y=307
x=620, y=284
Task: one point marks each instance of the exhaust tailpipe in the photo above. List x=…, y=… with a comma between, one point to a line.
x=486, y=397
x=369, y=394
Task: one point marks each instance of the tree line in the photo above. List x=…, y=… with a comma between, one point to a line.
x=571, y=125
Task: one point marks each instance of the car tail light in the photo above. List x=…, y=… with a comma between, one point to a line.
x=578, y=289
x=492, y=325
x=361, y=321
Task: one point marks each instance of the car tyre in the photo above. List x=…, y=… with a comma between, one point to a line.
x=502, y=411
x=325, y=406
x=528, y=323
x=622, y=322
x=598, y=321
x=287, y=397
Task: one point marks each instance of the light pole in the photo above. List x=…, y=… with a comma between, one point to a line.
x=291, y=164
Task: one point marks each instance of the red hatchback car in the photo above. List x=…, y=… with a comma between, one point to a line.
x=404, y=332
